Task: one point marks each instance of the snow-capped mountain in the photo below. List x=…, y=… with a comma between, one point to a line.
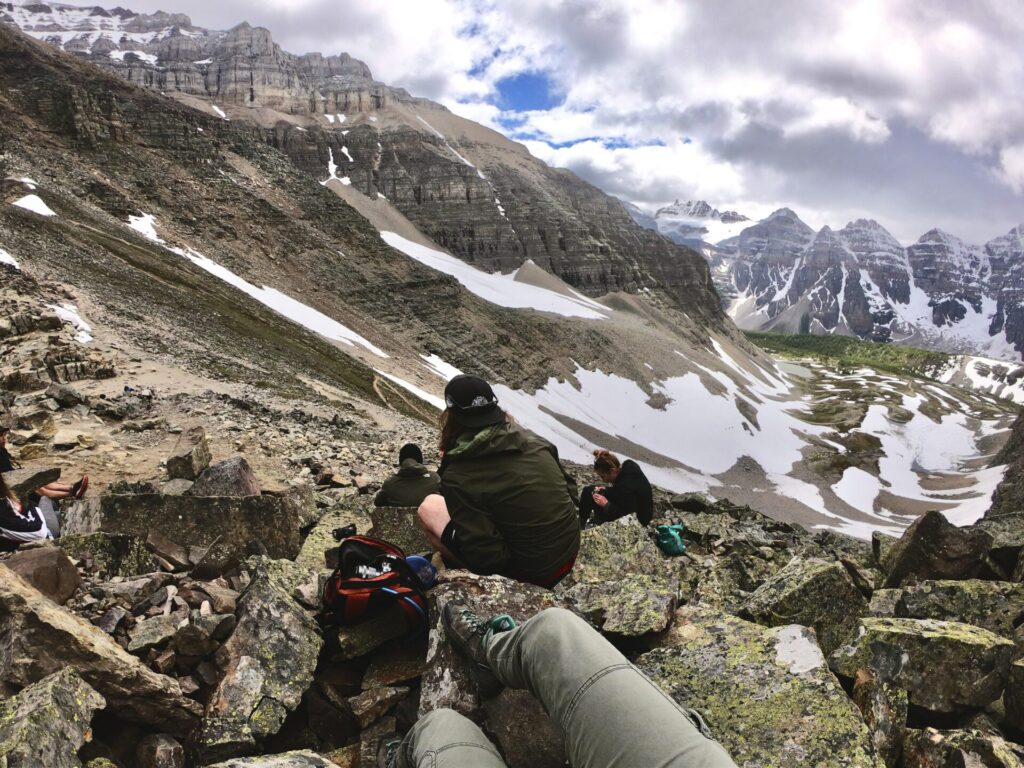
x=941, y=293
x=693, y=223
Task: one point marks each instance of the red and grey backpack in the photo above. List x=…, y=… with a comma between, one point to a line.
x=372, y=574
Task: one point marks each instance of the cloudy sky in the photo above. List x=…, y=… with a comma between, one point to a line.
x=908, y=112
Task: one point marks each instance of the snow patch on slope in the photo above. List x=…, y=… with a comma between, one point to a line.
x=499, y=289
x=284, y=305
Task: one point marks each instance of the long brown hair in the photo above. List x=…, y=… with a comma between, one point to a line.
x=6, y=492
x=605, y=461
x=450, y=431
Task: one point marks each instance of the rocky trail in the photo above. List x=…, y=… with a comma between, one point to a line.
x=175, y=621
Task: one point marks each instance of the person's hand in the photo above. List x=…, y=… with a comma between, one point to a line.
x=600, y=500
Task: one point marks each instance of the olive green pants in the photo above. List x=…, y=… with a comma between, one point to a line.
x=612, y=715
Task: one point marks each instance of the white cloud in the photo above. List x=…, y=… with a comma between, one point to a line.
x=764, y=90
x=1011, y=163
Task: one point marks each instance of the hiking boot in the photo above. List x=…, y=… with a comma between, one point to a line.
x=470, y=635
x=387, y=750
x=78, y=489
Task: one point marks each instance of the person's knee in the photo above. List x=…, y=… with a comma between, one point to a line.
x=433, y=513
x=556, y=621
x=442, y=718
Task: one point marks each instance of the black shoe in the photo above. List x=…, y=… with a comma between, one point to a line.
x=78, y=489
x=387, y=750
x=470, y=634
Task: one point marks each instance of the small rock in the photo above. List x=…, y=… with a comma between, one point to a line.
x=370, y=706
x=152, y=633
x=191, y=455
x=884, y=708
x=177, y=487
x=160, y=751
x=301, y=759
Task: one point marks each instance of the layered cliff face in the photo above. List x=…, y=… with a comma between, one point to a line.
x=468, y=189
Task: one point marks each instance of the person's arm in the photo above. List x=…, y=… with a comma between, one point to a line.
x=472, y=535
x=623, y=499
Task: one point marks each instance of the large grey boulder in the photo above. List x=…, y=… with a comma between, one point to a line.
x=621, y=582
x=269, y=660
x=191, y=455
x=811, y=592
x=1013, y=696
x=766, y=693
x=231, y=477
x=944, y=666
x=25, y=481
x=225, y=526
x=38, y=638
x=401, y=527
x=48, y=722
x=934, y=548
x=996, y=606
x=48, y=569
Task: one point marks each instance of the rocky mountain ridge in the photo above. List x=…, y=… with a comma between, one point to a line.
x=467, y=188
x=940, y=292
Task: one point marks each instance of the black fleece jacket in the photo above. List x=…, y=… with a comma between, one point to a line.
x=630, y=494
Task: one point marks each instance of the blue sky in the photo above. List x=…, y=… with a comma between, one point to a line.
x=911, y=113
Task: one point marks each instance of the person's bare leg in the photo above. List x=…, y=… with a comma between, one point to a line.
x=434, y=518
x=55, y=491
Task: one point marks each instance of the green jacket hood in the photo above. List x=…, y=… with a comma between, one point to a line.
x=505, y=437
x=412, y=468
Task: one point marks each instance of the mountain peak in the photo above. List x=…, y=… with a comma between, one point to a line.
x=783, y=213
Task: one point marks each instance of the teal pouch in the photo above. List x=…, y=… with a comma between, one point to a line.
x=670, y=539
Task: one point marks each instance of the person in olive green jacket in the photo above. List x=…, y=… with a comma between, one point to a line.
x=411, y=484
x=505, y=506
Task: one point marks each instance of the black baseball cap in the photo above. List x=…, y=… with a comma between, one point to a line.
x=410, y=451
x=471, y=401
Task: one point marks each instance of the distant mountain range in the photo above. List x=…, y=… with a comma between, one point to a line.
x=778, y=274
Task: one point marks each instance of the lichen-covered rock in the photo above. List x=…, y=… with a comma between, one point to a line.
x=373, y=704
x=39, y=638
x=1013, y=696
x=884, y=707
x=300, y=759
x=320, y=539
x=633, y=605
x=993, y=605
x=814, y=593
x=944, y=666
x=448, y=681
x=934, y=548
x=621, y=582
x=766, y=693
x=357, y=640
x=112, y=554
x=1007, y=532
x=725, y=582
x=152, y=632
x=401, y=527
x=269, y=660
x=47, y=723
x=48, y=569
x=883, y=602
x=190, y=456
x=930, y=748
x=224, y=526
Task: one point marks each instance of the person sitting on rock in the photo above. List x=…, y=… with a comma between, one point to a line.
x=55, y=491
x=411, y=484
x=505, y=505
x=610, y=714
x=18, y=524
x=628, y=492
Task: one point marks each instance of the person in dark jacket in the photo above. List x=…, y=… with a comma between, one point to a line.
x=505, y=505
x=627, y=492
x=411, y=484
x=18, y=523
